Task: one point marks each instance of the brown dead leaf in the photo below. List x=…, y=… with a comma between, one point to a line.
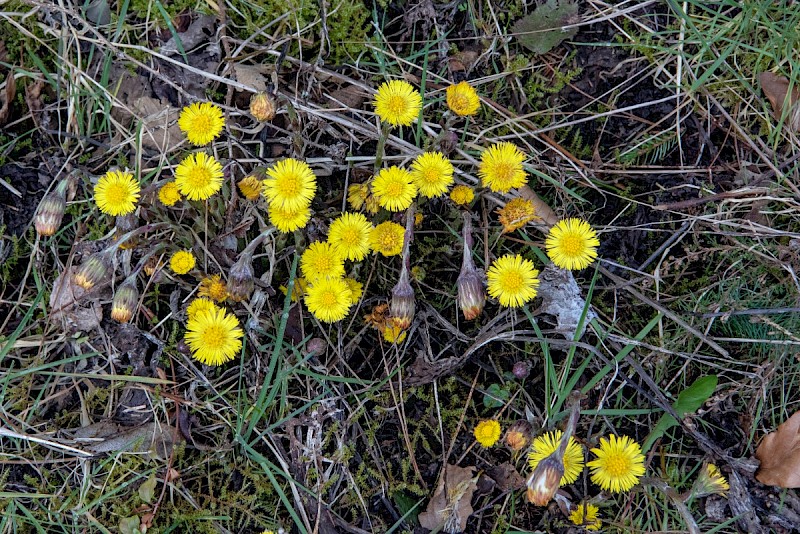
x=66, y=305
x=106, y=436
x=450, y=506
x=350, y=96
x=7, y=97
x=779, y=453
x=776, y=89
x=159, y=121
x=506, y=476
x=255, y=76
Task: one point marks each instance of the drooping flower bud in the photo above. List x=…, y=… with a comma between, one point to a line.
x=471, y=291
x=93, y=270
x=518, y=435
x=125, y=302
x=241, y=278
x=544, y=481
x=251, y=185
x=51, y=210
x=262, y=107
x=401, y=308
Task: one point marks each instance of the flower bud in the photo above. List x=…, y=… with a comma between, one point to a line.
x=262, y=107
x=241, y=278
x=401, y=308
x=544, y=481
x=51, y=210
x=93, y=270
x=251, y=185
x=125, y=302
x=471, y=292
x=518, y=435
x=521, y=369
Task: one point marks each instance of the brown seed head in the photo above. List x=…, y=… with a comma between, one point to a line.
x=262, y=107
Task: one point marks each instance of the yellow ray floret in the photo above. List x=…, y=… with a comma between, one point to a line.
x=199, y=176
x=432, y=173
x=349, y=236
x=394, y=188
x=116, y=193
x=572, y=244
x=398, y=103
x=501, y=167
x=213, y=336
x=512, y=280
x=201, y=122
x=329, y=299
x=290, y=185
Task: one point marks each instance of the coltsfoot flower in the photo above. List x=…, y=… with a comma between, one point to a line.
x=116, y=193
x=397, y=103
x=213, y=336
x=512, y=280
x=169, y=194
x=462, y=99
x=182, y=262
x=394, y=188
x=515, y=214
x=328, y=299
x=546, y=444
x=320, y=260
x=462, y=195
x=432, y=173
x=290, y=184
x=202, y=122
x=585, y=515
x=387, y=238
x=618, y=465
x=501, y=167
x=199, y=176
x=487, y=432
x=349, y=235
x=572, y=244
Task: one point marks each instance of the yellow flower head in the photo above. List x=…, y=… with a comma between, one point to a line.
x=288, y=220
x=199, y=176
x=487, y=432
x=320, y=260
x=116, y=193
x=349, y=235
x=397, y=103
x=572, y=244
x=298, y=291
x=356, y=289
x=619, y=464
x=393, y=333
x=432, y=173
x=462, y=195
x=501, y=167
x=585, y=515
x=202, y=122
x=214, y=336
x=512, y=280
x=250, y=186
x=462, y=99
x=198, y=305
x=516, y=214
x=357, y=195
x=169, y=194
x=546, y=444
x=394, y=189
x=387, y=238
x=710, y=482
x=291, y=184
x=214, y=288
x=328, y=299
x=182, y=262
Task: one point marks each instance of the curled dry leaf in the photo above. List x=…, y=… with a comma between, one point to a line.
x=779, y=453
x=450, y=506
x=776, y=89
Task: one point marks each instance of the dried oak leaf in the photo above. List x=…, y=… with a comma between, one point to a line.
x=779, y=453
x=776, y=89
x=547, y=26
x=451, y=506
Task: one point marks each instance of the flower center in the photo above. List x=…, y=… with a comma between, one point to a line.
x=616, y=466
x=397, y=105
x=351, y=237
x=289, y=185
x=199, y=176
x=571, y=245
x=460, y=102
x=328, y=299
x=201, y=123
x=116, y=194
x=394, y=189
x=504, y=172
x=512, y=281
x=214, y=337
x=430, y=175
x=323, y=265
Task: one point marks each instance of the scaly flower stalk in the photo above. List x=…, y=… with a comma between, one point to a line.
x=471, y=292
x=241, y=277
x=403, y=303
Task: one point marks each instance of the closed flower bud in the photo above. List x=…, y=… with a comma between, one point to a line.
x=471, y=292
x=241, y=278
x=251, y=185
x=262, y=108
x=51, y=210
x=544, y=481
x=518, y=435
x=126, y=300
x=93, y=270
x=521, y=369
x=401, y=308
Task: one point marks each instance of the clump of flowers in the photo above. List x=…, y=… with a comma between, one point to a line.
x=572, y=244
x=618, y=465
x=487, y=432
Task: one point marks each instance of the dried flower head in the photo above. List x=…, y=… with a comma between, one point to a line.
x=213, y=287
x=402, y=305
x=116, y=193
x=572, y=244
x=432, y=173
x=487, y=432
x=169, y=194
x=199, y=176
x=518, y=435
x=213, y=336
x=125, y=301
x=241, y=278
x=462, y=99
x=262, y=107
x=462, y=195
x=544, y=481
x=182, y=262
x=471, y=292
x=394, y=188
x=290, y=184
x=397, y=103
x=501, y=167
x=516, y=214
x=202, y=122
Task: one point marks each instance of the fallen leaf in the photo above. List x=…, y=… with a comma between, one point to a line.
x=776, y=89
x=543, y=30
x=779, y=454
x=506, y=476
x=159, y=121
x=450, y=506
x=561, y=297
x=7, y=97
x=65, y=305
x=254, y=76
x=147, y=490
